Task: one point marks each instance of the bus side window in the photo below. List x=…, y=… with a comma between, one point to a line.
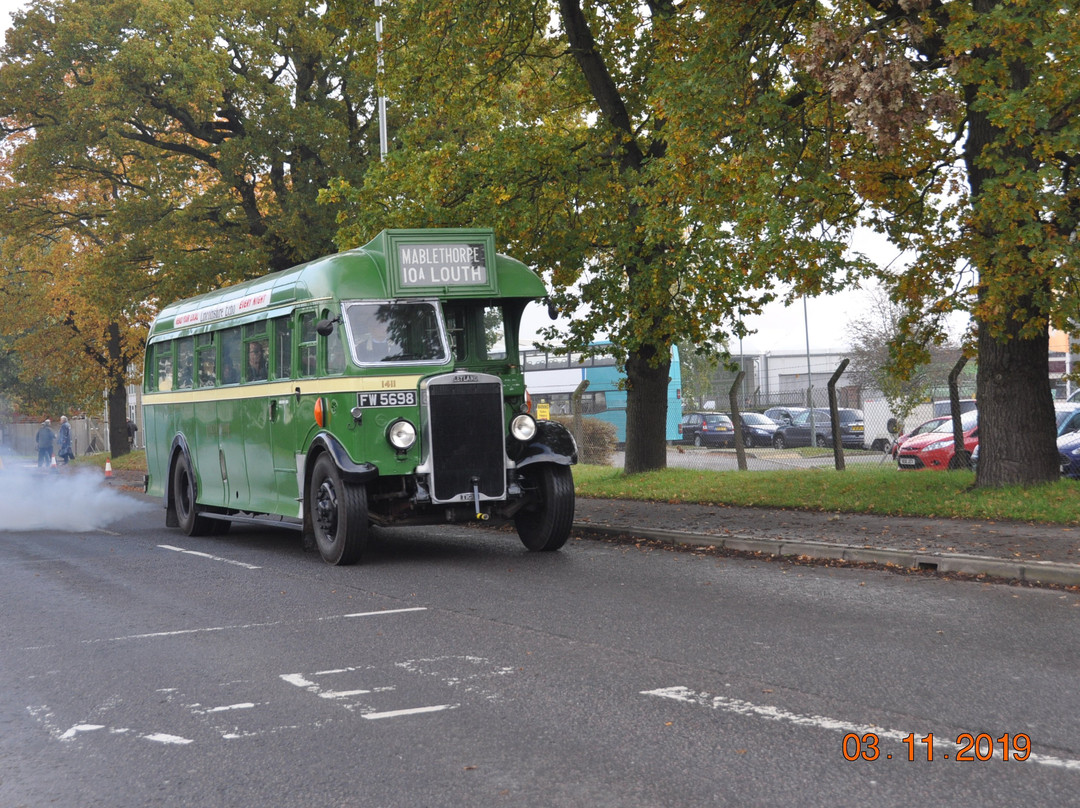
x=335, y=351
x=283, y=348
x=494, y=333
x=185, y=363
x=455, y=329
x=308, y=344
x=163, y=354
x=256, y=351
x=206, y=359
x=230, y=356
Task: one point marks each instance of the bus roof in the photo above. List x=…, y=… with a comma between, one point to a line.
x=434, y=262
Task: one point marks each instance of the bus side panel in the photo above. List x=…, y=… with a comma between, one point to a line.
x=230, y=417
x=157, y=440
x=605, y=379
x=259, y=456
x=203, y=445
x=281, y=433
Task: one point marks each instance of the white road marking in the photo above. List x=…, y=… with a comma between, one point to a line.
x=211, y=629
x=245, y=706
x=161, y=737
x=208, y=556
x=387, y=611
x=412, y=711
x=67, y=736
x=771, y=713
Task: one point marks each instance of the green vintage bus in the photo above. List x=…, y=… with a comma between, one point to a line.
x=377, y=386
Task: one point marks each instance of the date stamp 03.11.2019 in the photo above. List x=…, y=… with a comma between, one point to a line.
x=966, y=748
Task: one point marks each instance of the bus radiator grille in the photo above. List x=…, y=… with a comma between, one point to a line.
x=467, y=440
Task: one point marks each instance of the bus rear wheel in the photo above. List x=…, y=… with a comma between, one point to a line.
x=183, y=490
x=545, y=524
x=339, y=514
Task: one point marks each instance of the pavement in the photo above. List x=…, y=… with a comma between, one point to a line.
x=1011, y=551
x=1038, y=554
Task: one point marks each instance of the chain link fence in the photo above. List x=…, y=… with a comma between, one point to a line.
x=786, y=418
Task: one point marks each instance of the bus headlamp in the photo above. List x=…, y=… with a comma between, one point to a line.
x=523, y=427
x=401, y=434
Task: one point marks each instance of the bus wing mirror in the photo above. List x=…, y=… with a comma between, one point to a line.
x=553, y=312
x=325, y=328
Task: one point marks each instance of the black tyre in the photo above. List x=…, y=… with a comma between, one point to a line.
x=821, y=442
x=544, y=525
x=778, y=442
x=339, y=514
x=748, y=440
x=698, y=441
x=183, y=491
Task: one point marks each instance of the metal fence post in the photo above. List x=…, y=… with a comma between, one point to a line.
x=736, y=420
x=961, y=458
x=575, y=411
x=834, y=416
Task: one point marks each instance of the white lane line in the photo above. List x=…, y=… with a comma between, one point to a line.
x=771, y=713
x=247, y=705
x=67, y=736
x=211, y=629
x=412, y=711
x=207, y=555
x=387, y=611
x=341, y=694
x=161, y=737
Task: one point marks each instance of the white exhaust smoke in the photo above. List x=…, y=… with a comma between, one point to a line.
x=70, y=501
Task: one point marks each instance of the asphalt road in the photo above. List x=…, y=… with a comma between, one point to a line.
x=142, y=667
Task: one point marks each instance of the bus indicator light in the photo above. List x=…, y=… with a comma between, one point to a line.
x=320, y=414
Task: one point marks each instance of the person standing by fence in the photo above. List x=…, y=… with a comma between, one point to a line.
x=64, y=440
x=44, y=440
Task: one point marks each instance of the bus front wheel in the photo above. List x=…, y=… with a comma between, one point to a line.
x=183, y=489
x=339, y=514
x=545, y=524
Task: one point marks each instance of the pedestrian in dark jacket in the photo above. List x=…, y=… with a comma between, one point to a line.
x=44, y=440
x=64, y=441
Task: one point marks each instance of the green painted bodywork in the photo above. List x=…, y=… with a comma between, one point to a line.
x=249, y=443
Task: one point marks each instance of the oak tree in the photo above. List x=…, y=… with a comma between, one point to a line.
x=156, y=150
x=620, y=149
x=962, y=136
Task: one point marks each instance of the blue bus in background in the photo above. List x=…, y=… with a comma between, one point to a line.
x=552, y=379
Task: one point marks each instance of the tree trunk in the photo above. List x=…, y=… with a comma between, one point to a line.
x=646, y=410
x=117, y=394
x=1017, y=444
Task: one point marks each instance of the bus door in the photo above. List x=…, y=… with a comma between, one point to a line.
x=281, y=475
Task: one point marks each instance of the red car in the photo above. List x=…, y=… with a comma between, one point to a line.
x=934, y=449
x=925, y=426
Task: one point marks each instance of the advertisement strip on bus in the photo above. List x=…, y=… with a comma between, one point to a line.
x=378, y=386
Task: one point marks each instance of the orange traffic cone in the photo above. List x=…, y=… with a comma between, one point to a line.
x=52, y=465
x=108, y=468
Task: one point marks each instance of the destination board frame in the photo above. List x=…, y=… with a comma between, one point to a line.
x=457, y=284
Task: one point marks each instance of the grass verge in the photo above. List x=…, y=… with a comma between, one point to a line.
x=884, y=491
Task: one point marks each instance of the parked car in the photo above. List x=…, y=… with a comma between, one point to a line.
x=1068, y=418
x=798, y=433
x=707, y=429
x=757, y=429
x=783, y=415
x=687, y=424
x=934, y=449
x=1069, y=449
x=921, y=429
